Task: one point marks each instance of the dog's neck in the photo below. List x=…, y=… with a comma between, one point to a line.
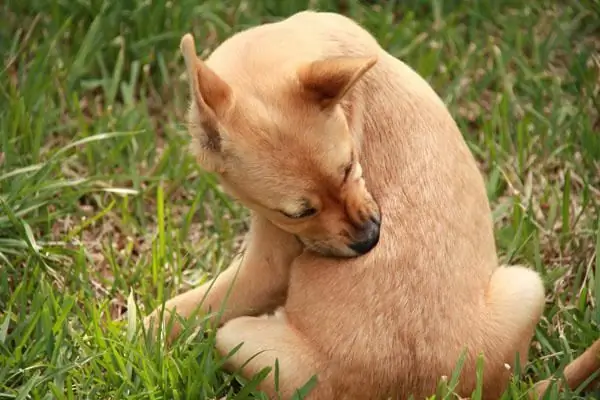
x=416, y=142
x=379, y=141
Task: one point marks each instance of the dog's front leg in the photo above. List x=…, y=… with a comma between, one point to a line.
x=254, y=284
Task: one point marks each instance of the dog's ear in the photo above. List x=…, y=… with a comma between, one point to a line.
x=329, y=80
x=211, y=96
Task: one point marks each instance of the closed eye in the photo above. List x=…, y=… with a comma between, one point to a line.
x=347, y=171
x=348, y=168
x=307, y=212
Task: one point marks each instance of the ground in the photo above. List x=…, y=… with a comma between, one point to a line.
x=103, y=212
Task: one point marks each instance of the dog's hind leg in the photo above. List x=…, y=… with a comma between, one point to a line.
x=576, y=372
x=516, y=301
x=514, y=305
x=263, y=341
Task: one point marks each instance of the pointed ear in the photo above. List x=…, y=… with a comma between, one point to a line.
x=210, y=93
x=211, y=96
x=329, y=80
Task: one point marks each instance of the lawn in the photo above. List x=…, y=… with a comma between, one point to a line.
x=104, y=214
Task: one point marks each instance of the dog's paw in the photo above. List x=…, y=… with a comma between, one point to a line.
x=165, y=325
x=152, y=322
x=155, y=325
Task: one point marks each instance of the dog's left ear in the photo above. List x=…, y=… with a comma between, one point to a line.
x=211, y=99
x=209, y=92
x=329, y=80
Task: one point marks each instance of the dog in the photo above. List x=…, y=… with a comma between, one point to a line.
x=370, y=232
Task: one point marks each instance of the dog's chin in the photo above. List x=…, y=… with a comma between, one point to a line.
x=329, y=251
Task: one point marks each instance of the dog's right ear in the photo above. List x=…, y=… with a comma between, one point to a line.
x=330, y=79
x=211, y=96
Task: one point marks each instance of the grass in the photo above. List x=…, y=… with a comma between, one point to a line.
x=103, y=213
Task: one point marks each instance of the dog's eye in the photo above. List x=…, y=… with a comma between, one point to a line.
x=347, y=171
x=307, y=212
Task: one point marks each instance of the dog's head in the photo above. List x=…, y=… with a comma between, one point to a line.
x=285, y=151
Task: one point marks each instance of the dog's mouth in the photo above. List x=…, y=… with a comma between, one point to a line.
x=333, y=251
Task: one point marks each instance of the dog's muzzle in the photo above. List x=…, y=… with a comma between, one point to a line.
x=369, y=237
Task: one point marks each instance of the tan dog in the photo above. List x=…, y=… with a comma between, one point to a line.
x=371, y=226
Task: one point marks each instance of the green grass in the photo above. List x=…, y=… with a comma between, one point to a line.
x=103, y=213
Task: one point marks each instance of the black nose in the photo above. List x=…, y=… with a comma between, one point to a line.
x=369, y=238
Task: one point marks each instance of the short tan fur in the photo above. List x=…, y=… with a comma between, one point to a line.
x=371, y=230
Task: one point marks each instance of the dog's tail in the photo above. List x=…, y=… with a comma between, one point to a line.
x=577, y=372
